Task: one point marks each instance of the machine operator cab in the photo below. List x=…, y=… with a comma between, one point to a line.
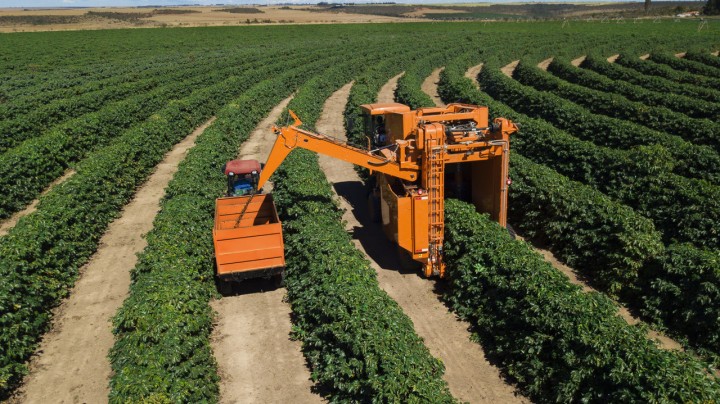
x=375, y=125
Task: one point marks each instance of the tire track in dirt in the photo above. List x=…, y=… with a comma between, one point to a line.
x=257, y=361
x=468, y=373
x=387, y=92
x=430, y=86
x=72, y=365
x=10, y=222
x=576, y=279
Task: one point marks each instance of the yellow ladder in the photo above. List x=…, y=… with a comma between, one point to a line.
x=436, y=201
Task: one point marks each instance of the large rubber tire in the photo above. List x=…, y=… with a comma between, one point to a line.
x=374, y=208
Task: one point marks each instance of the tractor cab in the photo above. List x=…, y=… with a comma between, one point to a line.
x=242, y=176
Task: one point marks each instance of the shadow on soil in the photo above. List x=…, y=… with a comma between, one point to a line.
x=248, y=286
x=385, y=254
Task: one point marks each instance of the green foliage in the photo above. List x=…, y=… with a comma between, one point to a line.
x=683, y=209
x=40, y=257
x=681, y=290
x=704, y=58
x=693, y=160
x=578, y=222
x=29, y=116
x=660, y=119
x=655, y=83
x=28, y=168
x=685, y=65
x=560, y=344
x=650, y=68
x=682, y=104
x=598, y=166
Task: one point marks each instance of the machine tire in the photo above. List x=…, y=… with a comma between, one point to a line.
x=373, y=207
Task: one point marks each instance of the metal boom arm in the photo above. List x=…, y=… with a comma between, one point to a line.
x=290, y=137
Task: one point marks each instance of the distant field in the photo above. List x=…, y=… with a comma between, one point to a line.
x=25, y=20
x=59, y=19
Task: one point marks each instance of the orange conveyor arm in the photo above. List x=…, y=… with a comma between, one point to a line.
x=291, y=137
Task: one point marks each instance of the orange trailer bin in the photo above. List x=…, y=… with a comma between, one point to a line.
x=248, y=237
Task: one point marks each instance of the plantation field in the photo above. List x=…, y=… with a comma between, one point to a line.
x=111, y=145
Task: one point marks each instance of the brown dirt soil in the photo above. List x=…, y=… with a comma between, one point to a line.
x=545, y=63
x=430, y=86
x=422, y=12
x=613, y=58
x=680, y=55
x=509, y=69
x=71, y=365
x=10, y=222
x=468, y=373
x=473, y=72
x=716, y=53
x=664, y=342
x=645, y=56
x=205, y=16
x=387, y=92
x=577, y=62
x=258, y=363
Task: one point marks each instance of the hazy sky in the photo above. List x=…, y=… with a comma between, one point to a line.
x=126, y=3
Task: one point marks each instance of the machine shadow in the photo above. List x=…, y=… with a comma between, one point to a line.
x=384, y=253
x=381, y=250
x=247, y=286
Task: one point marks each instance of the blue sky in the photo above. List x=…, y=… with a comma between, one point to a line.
x=126, y=3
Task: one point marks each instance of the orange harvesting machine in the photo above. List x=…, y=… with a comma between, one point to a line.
x=416, y=159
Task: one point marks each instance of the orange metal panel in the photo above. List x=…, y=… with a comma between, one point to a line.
x=254, y=242
x=404, y=223
x=245, y=256
x=250, y=266
x=420, y=224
